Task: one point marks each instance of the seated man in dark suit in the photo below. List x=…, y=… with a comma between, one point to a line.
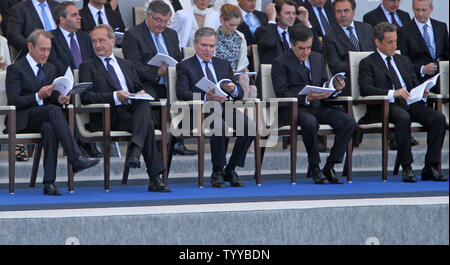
x=70, y=47
x=218, y=71
x=321, y=16
x=113, y=80
x=273, y=38
x=349, y=35
x=27, y=16
x=29, y=88
x=386, y=73
x=5, y=6
x=96, y=13
x=424, y=40
x=144, y=41
x=387, y=11
x=291, y=72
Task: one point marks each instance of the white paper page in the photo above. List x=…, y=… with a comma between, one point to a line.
x=206, y=85
x=159, y=58
x=140, y=96
x=416, y=94
x=248, y=73
x=63, y=85
x=331, y=84
x=69, y=75
x=316, y=89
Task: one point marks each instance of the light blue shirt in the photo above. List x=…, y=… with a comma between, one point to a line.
x=36, y=4
x=316, y=11
x=280, y=32
x=389, y=18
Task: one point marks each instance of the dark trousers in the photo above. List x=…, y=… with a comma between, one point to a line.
x=344, y=125
x=219, y=144
x=51, y=123
x=433, y=121
x=136, y=118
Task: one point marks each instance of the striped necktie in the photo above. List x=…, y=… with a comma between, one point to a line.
x=353, y=39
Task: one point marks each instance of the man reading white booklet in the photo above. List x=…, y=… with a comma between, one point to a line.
x=206, y=85
x=417, y=93
x=65, y=84
x=327, y=86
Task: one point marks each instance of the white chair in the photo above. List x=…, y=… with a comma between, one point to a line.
x=188, y=52
x=255, y=57
x=118, y=53
x=443, y=66
x=138, y=15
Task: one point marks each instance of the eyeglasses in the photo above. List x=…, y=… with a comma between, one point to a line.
x=160, y=21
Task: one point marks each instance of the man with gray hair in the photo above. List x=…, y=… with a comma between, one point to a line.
x=218, y=71
x=144, y=41
x=29, y=88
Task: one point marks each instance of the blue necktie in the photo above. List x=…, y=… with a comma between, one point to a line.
x=75, y=50
x=40, y=76
x=112, y=74
x=161, y=49
x=249, y=23
x=427, y=39
x=209, y=74
x=47, y=24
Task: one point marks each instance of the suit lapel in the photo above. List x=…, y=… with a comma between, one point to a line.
x=62, y=41
x=316, y=73
x=418, y=33
x=101, y=69
x=382, y=65
x=296, y=65
x=128, y=76
x=148, y=37
x=381, y=14
x=437, y=43
x=30, y=73
x=33, y=13
x=344, y=38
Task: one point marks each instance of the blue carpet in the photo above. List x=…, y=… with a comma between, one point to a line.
x=188, y=193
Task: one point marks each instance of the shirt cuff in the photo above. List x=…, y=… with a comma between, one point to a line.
x=116, y=100
x=422, y=74
x=39, y=101
x=306, y=101
x=272, y=22
x=391, y=96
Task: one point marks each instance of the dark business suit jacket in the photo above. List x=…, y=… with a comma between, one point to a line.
x=288, y=79
x=314, y=20
x=22, y=21
x=93, y=70
x=21, y=87
x=5, y=5
x=114, y=20
x=411, y=43
x=375, y=79
x=61, y=56
x=377, y=15
x=189, y=72
x=336, y=46
x=139, y=46
x=270, y=44
x=244, y=29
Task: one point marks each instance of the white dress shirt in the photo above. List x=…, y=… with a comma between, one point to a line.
x=353, y=30
x=280, y=32
x=123, y=82
x=389, y=18
x=94, y=12
x=67, y=37
x=36, y=4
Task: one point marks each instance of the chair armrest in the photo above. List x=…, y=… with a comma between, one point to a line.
x=251, y=100
x=282, y=100
x=435, y=96
x=340, y=99
x=161, y=102
x=371, y=100
x=92, y=108
x=5, y=110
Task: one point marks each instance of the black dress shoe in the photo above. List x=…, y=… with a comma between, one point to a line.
x=414, y=142
x=317, y=176
x=91, y=150
x=408, y=175
x=233, y=178
x=217, y=179
x=134, y=157
x=83, y=163
x=331, y=176
x=431, y=173
x=156, y=185
x=51, y=189
x=180, y=149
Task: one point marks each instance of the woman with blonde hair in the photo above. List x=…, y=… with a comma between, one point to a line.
x=231, y=46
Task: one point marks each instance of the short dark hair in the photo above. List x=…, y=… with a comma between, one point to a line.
x=300, y=32
x=61, y=10
x=352, y=2
x=34, y=36
x=279, y=4
x=381, y=28
x=158, y=7
x=204, y=32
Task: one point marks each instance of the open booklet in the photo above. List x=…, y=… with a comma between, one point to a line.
x=416, y=94
x=206, y=85
x=317, y=89
x=248, y=73
x=65, y=84
x=159, y=58
x=140, y=96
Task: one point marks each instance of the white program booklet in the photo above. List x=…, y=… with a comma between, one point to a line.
x=248, y=73
x=65, y=84
x=416, y=94
x=331, y=83
x=316, y=89
x=159, y=58
x=141, y=96
x=206, y=85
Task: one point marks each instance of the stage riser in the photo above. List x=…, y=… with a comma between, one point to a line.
x=405, y=224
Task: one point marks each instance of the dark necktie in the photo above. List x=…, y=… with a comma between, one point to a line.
x=209, y=74
x=323, y=21
x=40, y=76
x=285, y=43
x=353, y=39
x=395, y=81
x=308, y=72
x=394, y=21
x=75, y=50
x=100, y=20
x=112, y=74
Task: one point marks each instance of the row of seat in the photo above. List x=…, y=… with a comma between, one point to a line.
x=78, y=117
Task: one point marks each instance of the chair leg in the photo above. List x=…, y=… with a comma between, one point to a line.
x=70, y=177
x=258, y=161
x=285, y=142
x=171, y=146
x=293, y=159
x=11, y=166
x=126, y=168
x=107, y=162
x=35, y=167
x=349, y=159
x=201, y=160
x=396, y=166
